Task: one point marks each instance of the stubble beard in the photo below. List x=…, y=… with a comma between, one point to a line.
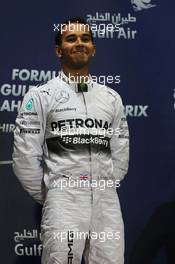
x=75, y=64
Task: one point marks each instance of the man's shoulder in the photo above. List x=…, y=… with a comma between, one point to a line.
x=46, y=87
x=107, y=90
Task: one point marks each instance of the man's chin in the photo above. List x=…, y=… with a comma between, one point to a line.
x=79, y=64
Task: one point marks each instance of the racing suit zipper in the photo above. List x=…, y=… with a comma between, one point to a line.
x=90, y=158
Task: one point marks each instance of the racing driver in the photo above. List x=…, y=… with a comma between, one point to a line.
x=71, y=136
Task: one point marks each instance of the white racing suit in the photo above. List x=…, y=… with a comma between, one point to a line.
x=82, y=139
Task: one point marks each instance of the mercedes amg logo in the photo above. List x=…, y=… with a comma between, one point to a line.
x=62, y=97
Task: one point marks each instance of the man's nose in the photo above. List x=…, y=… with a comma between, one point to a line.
x=79, y=41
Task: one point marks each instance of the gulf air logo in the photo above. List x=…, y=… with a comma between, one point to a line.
x=139, y=5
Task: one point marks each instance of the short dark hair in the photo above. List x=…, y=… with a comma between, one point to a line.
x=80, y=20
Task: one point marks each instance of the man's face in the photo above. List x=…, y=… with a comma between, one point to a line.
x=76, y=47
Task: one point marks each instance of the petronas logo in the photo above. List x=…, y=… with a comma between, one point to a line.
x=29, y=105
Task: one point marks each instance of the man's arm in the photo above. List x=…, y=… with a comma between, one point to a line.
x=120, y=141
x=28, y=145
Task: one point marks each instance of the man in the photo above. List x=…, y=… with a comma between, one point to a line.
x=78, y=128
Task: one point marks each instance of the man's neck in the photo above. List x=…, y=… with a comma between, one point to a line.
x=77, y=75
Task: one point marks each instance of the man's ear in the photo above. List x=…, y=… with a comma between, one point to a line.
x=94, y=51
x=58, y=51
